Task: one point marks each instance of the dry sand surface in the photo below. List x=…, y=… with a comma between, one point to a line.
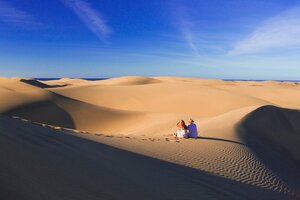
x=112, y=139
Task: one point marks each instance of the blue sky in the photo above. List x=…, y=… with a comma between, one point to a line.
x=237, y=39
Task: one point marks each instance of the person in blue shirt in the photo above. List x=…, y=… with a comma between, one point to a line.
x=192, y=129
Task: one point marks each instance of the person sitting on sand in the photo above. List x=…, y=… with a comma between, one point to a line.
x=181, y=130
x=192, y=129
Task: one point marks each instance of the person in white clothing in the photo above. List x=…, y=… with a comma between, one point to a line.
x=181, y=130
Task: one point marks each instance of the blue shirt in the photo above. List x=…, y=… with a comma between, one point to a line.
x=193, y=131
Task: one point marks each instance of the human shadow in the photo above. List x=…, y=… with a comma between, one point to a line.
x=219, y=139
x=273, y=134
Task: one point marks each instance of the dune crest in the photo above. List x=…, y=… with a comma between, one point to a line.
x=128, y=80
x=63, y=82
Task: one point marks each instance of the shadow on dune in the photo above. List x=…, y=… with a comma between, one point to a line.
x=46, y=112
x=219, y=139
x=273, y=134
x=35, y=83
x=40, y=163
x=40, y=84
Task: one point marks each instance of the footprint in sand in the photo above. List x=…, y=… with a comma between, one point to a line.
x=57, y=128
x=76, y=131
x=98, y=134
x=172, y=140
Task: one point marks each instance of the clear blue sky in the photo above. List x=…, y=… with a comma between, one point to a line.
x=236, y=39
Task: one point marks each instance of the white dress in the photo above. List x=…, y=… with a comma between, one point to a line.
x=181, y=133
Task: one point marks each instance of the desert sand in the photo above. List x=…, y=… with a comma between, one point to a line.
x=112, y=139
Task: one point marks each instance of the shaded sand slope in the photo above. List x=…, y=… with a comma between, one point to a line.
x=35, y=83
x=65, y=112
x=33, y=103
x=40, y=163
x=15, y=93
x=273, y=134
x=274, y=128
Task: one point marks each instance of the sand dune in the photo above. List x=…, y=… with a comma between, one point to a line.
x=247, y=140
x=277, y=93
x=70, y=113
x=165, y=97
x=38, y=105
x=66, y=82
x=128, y=80
x=273, y=128
x=35, y=83
x=16, y=93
